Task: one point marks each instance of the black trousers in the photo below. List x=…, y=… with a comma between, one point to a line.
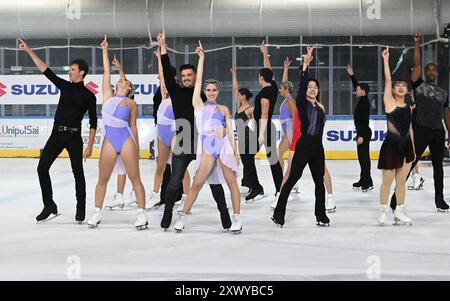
x=57, y=142
x=272, y=155
x=166, y=177
x=364, y=158
x=308, y=151
x=434, y=139
x=179, y=165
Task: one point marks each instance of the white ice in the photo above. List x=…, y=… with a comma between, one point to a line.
x=354, y=247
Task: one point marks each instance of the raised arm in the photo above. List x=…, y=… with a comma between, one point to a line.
x=388, y=98
x=235, y=84
x=169, y=79
x=352, y=77
x=197, y=101
x=265, y=53
x=43, y=68
x=106, y=84
x=119, y=67
x=162, y=82
x=286, y=65
x=303, y=85
x=417, y=70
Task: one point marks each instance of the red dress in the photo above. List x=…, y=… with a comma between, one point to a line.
x=297, y=132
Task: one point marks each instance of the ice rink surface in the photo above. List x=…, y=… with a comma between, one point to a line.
x=354, y=247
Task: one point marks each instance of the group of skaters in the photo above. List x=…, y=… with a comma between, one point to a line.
x=192, y=126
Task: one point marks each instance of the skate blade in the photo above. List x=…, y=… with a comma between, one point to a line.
x=367, y=190
x=92, y=226
x=439, y=210
x=356, y=188
x=397, y=222
x=258, y=198
x=115, y=206
x=324, y=225
x=277, y=223
x=48, y=218
x=331, y=210
x=178, y=230
x=236, y=232
x=143, y=227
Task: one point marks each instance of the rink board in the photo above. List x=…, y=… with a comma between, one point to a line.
x=25, y=137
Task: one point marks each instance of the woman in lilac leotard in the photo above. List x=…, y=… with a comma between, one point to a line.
x=119, y=148
x=166, y=130
x=217, y=156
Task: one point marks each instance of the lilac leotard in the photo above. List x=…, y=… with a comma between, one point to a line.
x=116, y=127
x=286, y=120
x=208, y=120
x=117, y=136
x=166, y=122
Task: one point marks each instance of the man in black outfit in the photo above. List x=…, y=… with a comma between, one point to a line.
x=364, y=133
x=432, y=105
x=264, y=106
x=75, y=99
x=185, y=147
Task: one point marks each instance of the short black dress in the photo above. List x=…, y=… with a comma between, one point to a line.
x=397, y=145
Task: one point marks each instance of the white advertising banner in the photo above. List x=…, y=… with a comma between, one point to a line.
x=23, y=134
x=31, y=134
x=37, y=89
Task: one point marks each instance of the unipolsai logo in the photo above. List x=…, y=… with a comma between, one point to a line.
x=73, y=9
x=21, y=131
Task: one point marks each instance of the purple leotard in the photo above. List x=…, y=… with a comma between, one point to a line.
x=117, y=136
x=115, y=127
x=286, y=120
x=166, y=122
x=208, y=120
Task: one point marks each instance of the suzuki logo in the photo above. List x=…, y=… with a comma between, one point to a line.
x=92, y=87
x=2, y=92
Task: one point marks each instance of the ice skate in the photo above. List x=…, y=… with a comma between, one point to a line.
x=179, y=226
x=167, y=219
x=365, y=188
x=96, y=218
x=255, y=194
x=48, y=213
x=417, y=182
x=183, y=201
x=383, y=214
x=118, y=202
x=330, y=205
x=441, y=206
x=152, y=201
x=357, y=185
x=244, y=190
x=278, y=218
x=225, y=219
x=131, y=200
x=80, y=214
x=141, y=220
x=275, y=202
x=236, y=227
x=400, y=216
x=322, y=221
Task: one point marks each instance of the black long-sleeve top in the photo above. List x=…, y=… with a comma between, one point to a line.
x=157, y=98
x=74, y=101
x=181, y=98
x=312, y=117
x=362, y=112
